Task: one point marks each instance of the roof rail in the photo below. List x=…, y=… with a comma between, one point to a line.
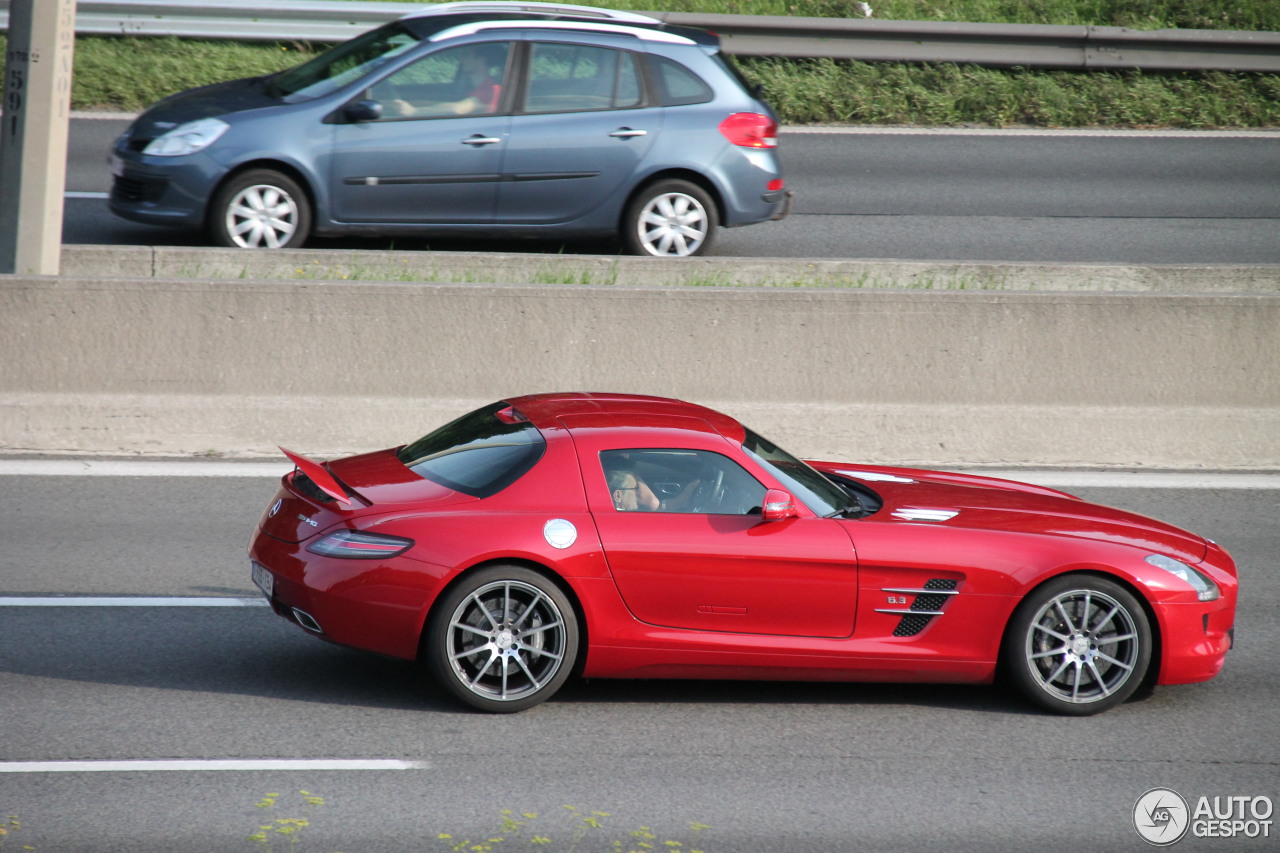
x=531, y=8
x=643, y=33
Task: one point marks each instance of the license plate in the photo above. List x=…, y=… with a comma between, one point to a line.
x=264, y=579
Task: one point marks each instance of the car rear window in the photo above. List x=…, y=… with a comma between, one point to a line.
x=479, y=454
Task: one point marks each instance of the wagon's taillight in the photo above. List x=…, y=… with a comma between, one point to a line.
x=750, y=130
x=358, y=545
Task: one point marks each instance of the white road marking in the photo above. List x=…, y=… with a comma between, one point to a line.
x=127, y=601
x=1139, y=479
x=189, y=765
x=1058, y=479
x=141, y=468
x=86, y=195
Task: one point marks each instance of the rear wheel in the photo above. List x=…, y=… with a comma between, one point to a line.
x=504, y=639
x=670, y=219
x=1078, y=645
x=260, y=209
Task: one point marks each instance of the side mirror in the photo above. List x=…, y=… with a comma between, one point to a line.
x=778, y=505
x=362, y=111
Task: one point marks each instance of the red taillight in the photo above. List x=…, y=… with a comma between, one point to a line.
x=775, y=185
x=357, y=545
x=750, y=130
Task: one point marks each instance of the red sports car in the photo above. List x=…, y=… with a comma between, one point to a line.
x=621, y=536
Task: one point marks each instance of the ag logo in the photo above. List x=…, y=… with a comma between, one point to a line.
x=1161, y=816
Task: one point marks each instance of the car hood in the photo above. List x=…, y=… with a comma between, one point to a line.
x=218, y=99
x=913, y=496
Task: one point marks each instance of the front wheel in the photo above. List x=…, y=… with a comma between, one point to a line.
x=1078, y=645
x=502, y=640
x=670, y=219
x=260, y=209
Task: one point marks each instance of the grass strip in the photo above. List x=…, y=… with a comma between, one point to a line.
x=130, y=73
x=1137, y=14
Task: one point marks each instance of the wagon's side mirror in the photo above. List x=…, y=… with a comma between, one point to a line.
x=778, y=505
x=362, y=111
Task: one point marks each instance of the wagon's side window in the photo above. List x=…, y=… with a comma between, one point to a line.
x=676, y=480
x=573, y=77
x=678, y=85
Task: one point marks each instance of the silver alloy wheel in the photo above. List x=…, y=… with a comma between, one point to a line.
x=673, y=224
x=1082, y=646
x=506, y=641
x=261, y=216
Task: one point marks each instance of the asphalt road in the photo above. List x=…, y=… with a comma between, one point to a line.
x=1003, y=196
x=770, y=767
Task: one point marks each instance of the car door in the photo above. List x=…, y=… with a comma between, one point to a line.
x=580, y=132
x=434, y=155
x=706, y=561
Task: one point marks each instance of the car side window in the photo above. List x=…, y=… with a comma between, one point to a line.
x=576, y=77
x=465, y=80
x=678, y=85
x=684, y=481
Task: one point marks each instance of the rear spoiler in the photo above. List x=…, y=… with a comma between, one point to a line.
x=319, y=475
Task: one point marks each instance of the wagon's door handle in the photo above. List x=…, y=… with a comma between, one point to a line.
x=477, y=139
x=627, y=133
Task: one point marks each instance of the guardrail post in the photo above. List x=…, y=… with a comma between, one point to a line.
x=33, y=137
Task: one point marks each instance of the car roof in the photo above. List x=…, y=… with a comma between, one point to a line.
x=605, y=410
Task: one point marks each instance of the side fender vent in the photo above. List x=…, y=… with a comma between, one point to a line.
x=927, y=605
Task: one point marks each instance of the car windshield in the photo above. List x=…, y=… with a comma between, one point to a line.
x=479, y=454
x=343, y=64
x=805, y=484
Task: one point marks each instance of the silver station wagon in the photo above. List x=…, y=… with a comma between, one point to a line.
x=470, y=119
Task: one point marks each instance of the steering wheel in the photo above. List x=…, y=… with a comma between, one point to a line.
x=709, y=493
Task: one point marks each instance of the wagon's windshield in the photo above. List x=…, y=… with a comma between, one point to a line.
x=805, y=484
x=346, y=63
x=479, y=454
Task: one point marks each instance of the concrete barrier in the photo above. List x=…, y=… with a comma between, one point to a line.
x=534, y=268
x=154, y=366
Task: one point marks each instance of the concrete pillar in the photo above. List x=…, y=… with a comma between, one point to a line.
x=33, y=136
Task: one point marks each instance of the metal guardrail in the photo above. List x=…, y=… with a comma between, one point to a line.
x=1029, y=45
x=1033, y=46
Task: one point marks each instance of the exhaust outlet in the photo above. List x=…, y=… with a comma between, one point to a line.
x=306, y=620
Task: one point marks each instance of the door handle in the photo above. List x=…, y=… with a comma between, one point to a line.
x=627, y=133
x=477, y=139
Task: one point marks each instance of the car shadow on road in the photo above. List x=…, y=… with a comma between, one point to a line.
x=250, y=652
x=960, y=697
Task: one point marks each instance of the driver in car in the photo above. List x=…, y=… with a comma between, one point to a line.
x=632, y=494
x=482, y=96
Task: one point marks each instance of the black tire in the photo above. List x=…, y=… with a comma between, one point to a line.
x=1078, y=645
x=503, y=639
x=670, y=219
x=260, y=209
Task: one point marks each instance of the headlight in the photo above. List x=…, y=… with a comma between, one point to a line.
x=187, y=138
x=1206, y=589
